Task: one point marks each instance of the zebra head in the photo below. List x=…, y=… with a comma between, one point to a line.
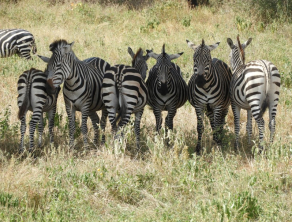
x=164, y=68
x=60, y=64
x=139, y=61
x=237, y=54
x=202, y=61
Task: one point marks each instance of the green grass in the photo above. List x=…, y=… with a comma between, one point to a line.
x=162, y=183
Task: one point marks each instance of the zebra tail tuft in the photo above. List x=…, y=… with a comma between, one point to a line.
x=264, y=106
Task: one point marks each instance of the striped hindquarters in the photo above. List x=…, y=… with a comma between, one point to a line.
x=123, y=92
x=256, y=85
x=32, y=93
x=17, y=41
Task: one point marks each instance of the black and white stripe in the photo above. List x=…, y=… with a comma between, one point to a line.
x=124, y=92
x=166, y=87
x=82, y=87
x=16, y=41
x=209, y=90
x=35, y=94
x=254, y=87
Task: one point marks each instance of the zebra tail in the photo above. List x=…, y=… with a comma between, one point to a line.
x=25, y=104
x=123, y=107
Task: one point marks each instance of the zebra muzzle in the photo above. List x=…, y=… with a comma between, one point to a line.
x=200, y=81
x=50, y=82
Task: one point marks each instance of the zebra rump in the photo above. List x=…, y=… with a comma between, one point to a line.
x=34, y=94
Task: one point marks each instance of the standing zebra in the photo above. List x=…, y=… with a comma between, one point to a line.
x=124, y=92
x=16, y=41
x=254, y=87
x=209, y=90
x=36, y=95
x=82, y=87
x=167, y=89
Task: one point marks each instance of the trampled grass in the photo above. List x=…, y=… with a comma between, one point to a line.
x=110, y=183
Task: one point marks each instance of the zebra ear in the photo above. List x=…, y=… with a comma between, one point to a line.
x=214, y=46
x=191, y=45
x=151, y=54
x=44, y=58
x=146, y=57
x=175, y=56
x=130, y=51
x=67, y=48
x=230, y=43
x=244, y=45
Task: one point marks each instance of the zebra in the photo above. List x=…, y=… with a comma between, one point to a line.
x=82, y=87
x=16, y=41
x=167, y=89
x=254, y=87
x=36, y=95
x=125, y=92
x=209, y=90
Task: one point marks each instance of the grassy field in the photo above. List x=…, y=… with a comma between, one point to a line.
x=109, y=183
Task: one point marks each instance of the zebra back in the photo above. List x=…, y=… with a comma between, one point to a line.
x=17, y=41
x=99, y=64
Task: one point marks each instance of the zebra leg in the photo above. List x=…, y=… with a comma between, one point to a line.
x=95, y=123
x=41, y=130
x=200, y=128
x=261, y=125
x=272, y=119
x=218, y=125
x=32, y=125
x=157, y=114
x=210, y=115
x=236, y=114
x=138, y=116
x=51, y=114
x=249, y=126
x=104, y=115
x=22, y=132
x=71, y=117
x=84, y=128
x=272, y=126
x=169, y=118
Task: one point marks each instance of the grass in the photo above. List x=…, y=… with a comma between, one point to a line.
x=109, y=183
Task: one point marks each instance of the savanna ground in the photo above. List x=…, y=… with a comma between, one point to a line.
x=109, y=183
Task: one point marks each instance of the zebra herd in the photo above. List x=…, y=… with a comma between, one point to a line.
x=121, y=90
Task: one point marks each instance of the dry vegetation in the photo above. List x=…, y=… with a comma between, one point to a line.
x=109, y=184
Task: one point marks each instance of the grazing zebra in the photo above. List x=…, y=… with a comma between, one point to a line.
x=36, y=95
x=16, y=41
x=125, y=92
x=254, y=87
x=82, y=87
x=209, y=90
x=167, y=89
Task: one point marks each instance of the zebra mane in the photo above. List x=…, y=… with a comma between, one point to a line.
x=57, y=43
x=135, y=56
x=241, y=50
